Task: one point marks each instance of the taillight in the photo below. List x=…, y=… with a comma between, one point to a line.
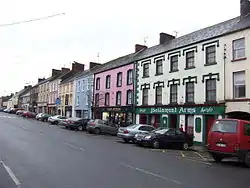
x=125, y=131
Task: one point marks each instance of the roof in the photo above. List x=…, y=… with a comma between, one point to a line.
x=120, y=61
x=89, y=71
x=70, y=76
x=58, y=76
x=215, y=31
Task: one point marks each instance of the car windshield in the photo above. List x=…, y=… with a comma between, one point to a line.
x=225, y=126
x=161, y=131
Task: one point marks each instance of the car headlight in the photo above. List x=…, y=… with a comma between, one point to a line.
x=136, y=135
x=147, y=137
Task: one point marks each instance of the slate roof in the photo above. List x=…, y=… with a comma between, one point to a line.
x=220, y=29
x=68, y=77
x=86, y=72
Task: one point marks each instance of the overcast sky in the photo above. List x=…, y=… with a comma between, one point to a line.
x=110, y=27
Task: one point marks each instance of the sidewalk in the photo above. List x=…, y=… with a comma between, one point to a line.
x=200, y=149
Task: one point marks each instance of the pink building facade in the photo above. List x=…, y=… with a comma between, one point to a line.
x=113, y=94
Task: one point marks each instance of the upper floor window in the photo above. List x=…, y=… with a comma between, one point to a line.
x=145, y=96
x=239, y=85
x=97, y=99
x=118, y=98
x=211, y=90
x=146, y=70
x=158, y=95
x=119, y=79
x=190, y=59
x=190, y=92
x=77, y=100
x=78, y=86
x=83, y=85
x=129, y=77
x=173, y=93
x=239, y=49
x=159, y=67
x=98, y=83
x=174, y=63
x=129, y=97
x=106, y=99
x=210, y=55
x=108, y=79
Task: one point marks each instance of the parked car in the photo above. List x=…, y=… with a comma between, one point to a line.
x=20, y=112
x=139, y=136
x=38, y=116
x=230, y=138
x=128, y=133
x=28, y=114
x=76, y=123
x=44, y=117
x=167, y=137
x=99, y=126
x=55, y=120
x=2, y=109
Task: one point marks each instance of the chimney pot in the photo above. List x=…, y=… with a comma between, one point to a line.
x=244, y=8
x=139, y=47
x=165, y=38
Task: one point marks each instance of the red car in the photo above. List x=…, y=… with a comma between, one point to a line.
x=29, y=114
x=230, y=138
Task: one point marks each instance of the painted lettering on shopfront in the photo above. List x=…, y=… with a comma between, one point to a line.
x=182, y=110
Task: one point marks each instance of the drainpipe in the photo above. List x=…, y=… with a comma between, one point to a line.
x=224, y=72
x=134, y=90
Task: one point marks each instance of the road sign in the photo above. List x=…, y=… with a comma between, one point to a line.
x=58, y=101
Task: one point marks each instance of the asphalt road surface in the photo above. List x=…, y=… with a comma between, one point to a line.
x=37, y=155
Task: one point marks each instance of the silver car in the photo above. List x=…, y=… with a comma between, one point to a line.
x=55, y=120
x=128, y=133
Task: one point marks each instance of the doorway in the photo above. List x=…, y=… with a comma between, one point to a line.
x=172, y=121
x=209, y=120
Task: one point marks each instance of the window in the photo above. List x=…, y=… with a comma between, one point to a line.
x=97, y=99
x=158, y=95
x=210, y=55
x=239, y=84
x=108, y=78
x=225, y=126
x=118, y=97
x=106, y=99
x=129, y=97
x=159, y=67
x=211, y=90
x=87, y=85
x=146, y=70
x=119, y=79
x=77, y=100
x=83, y=85
x=239, y=49
x=190, y=92
x=129, y=77
x=247, y=129
x=145, y=96
x=97, y=83
x=173, y=93
x=190, y=59
x=174, y=63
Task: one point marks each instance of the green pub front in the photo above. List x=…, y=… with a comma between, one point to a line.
x=194, y=120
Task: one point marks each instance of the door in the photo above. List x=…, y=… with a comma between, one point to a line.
x=172, y=121
x=209, y=120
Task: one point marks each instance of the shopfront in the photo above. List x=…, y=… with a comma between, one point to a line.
x=119, y=115
x=194, y=120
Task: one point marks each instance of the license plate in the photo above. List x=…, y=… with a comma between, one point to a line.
x=220, y=145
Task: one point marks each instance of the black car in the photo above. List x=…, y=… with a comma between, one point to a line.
x=75, y=123
x=167, y=137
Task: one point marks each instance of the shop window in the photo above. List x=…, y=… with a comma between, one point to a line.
x=108, y=79
x=158, y=95
x=118, y=98
x=210, y=90
x=239, y=85
x=106, y=99
x=119, y=79
x=145, y=96
x=189, y=124
x=198, y=125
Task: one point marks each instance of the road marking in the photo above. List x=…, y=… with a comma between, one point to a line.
x=24, y=128
x=200, y=156
x=150, y=173
x=11, y=174
x=74, y=147
x=182, y=154
x=201, y=162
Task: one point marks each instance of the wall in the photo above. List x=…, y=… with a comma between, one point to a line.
x=113, y=88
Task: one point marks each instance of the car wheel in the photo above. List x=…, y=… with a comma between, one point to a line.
x=126, y=140
x=247, y=159
x=56, y=122
x=156, y=144
x=97, y=131
x=185, y=146
x=80, y=128
x=217, y=158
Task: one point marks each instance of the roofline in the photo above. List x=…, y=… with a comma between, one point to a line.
x=227, y=33
x=114, y=68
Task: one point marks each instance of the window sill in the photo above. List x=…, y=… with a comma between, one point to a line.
x=158, y=104
x=173, y=103
x=188, y=68
x=145, y=77
x=173, y=71
x=118, y=86
x=129, y=84
x=159, y=74
x=189, y=103
x=240, y=59
x=209, y=64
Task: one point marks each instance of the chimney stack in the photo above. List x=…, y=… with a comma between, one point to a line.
x=93, y=64
x=165, y=38
x=77, y=67
x=64, y=70
x=244, y=8
x=55, y=72
x=139, y=47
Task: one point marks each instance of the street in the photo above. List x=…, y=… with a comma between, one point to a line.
x=34, y=154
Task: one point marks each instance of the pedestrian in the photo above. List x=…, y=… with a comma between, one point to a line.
x=181, y=128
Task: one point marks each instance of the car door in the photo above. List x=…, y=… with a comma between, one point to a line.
x=169, y=138
x=245, y=145
x=179, y=138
